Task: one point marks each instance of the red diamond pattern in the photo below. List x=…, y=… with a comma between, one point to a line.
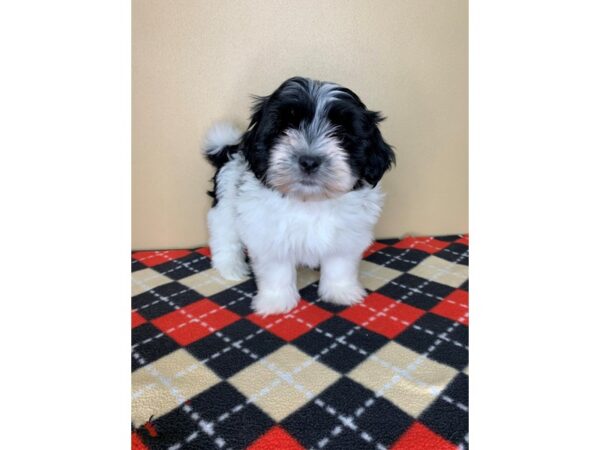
x=382, y=315
x=276, y=438
x=454, y=307
x=419, y=437
x=195, y=321
x=297, y=322
x=136, y=319
x=425, y=244
x=155, y=258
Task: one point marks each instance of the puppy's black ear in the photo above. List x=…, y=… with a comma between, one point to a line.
x=259, y=105
x=253, y=142
x=379, y=155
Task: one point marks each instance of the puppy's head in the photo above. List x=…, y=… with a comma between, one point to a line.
x=314, y=140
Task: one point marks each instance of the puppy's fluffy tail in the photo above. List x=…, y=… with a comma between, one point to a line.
x=221, y=142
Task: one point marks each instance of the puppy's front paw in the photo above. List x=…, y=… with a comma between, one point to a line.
x=275, y=302
x=341, y=293
x=232, y=269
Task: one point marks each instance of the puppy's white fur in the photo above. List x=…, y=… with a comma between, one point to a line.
x=281, y=232
x=220, y=135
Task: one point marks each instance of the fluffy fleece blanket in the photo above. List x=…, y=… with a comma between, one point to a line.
x=389, y=373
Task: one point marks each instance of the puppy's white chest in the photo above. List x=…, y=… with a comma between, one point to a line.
x=270, y=223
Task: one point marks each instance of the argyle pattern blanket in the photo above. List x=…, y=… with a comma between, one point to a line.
x=389, y=373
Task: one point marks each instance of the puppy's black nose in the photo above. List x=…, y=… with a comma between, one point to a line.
x=309, y=163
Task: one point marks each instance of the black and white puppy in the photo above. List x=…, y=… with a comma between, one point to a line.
x=299, y=187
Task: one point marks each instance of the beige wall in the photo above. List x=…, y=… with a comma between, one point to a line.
x=197, y=61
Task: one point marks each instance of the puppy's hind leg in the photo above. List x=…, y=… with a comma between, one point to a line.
x=220, y=148
x=225, y=245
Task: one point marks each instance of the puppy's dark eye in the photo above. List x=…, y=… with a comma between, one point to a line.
x=342, y=118
x=291, y=115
